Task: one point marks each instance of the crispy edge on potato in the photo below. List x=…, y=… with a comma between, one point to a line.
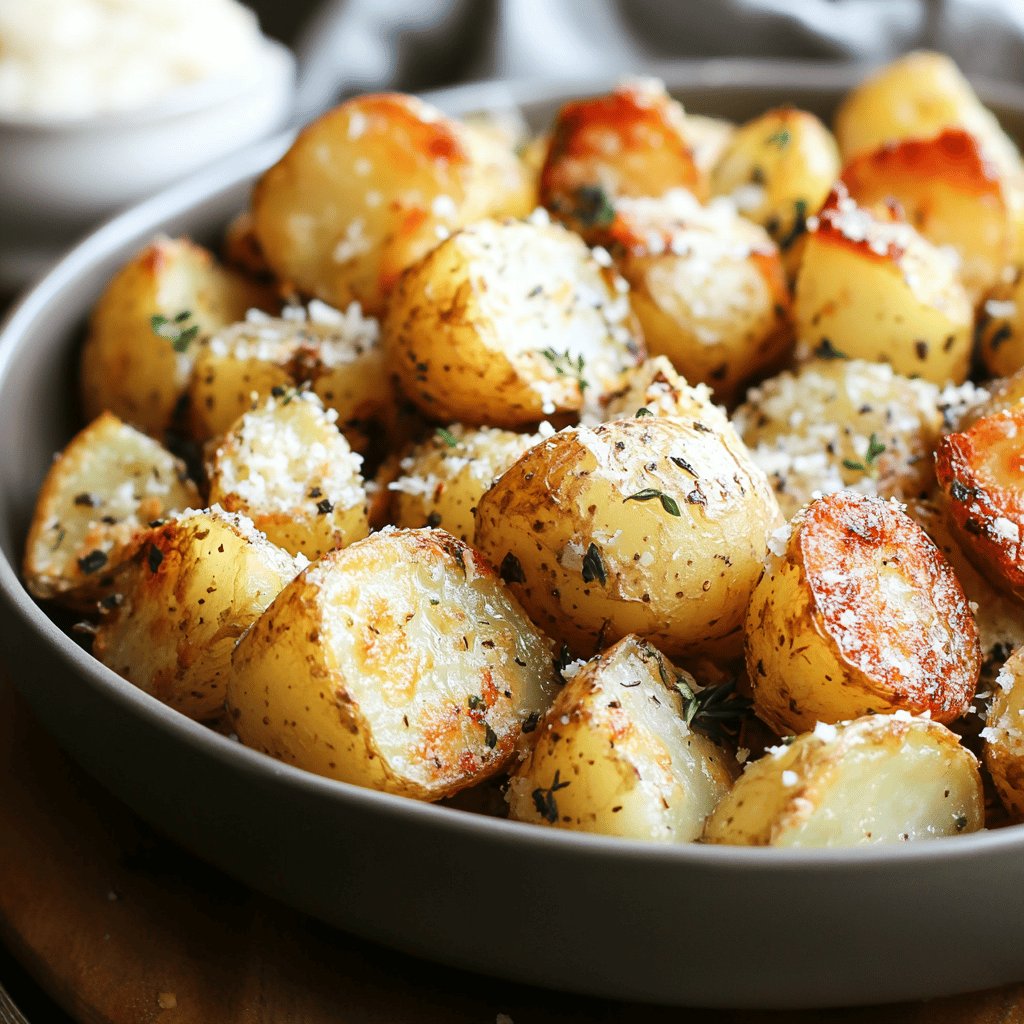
x=1003, y=735
x=421, y=674
x=614, y=754
x=877, y=779
x=98, y=497
x=1000, y=326
x=858, y=612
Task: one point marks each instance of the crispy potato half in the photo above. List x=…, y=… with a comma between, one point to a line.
x=367, y=188
x=1001, y=325
x=778, y=169
x=336, y=353
x=419, y=678
x=287, y=468
x=877, y=779
x=139, y=351
x=506, y=323
x=708, y=287
x=651, y=525
x=614, y=755
x=98, y=497
x=1003, y=735
x=194, y=586
x=858, y=612
x=870, y=287
x=980, y=473
x=629, y=142
x=442, y=479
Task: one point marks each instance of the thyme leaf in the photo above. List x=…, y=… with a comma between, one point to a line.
x=668, y=503
x=174, y=329
x=544, y=799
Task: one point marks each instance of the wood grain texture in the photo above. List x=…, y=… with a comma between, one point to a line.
x=123, y=927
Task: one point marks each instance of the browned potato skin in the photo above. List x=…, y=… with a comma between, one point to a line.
x=126, y=367
x=950, y=192
x=242, y=248
x=826, y=642
x=304, y=205
x=1001, y=325
x=630, y=142
x=1004, y=736
x=980, y=473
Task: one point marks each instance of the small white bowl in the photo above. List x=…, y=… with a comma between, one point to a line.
x=58, y=177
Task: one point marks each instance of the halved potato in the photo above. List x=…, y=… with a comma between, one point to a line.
x=420, y=676
x=194, y=586
x=1003, y=735
x=506, y=323
x=139, y=351
x=878, y=779
x=98, y=497
x=442, y=479
x=629, y=142
x=336, y=352
x=651, y=525
x=981, y=476
x=1001, y=325
x=614, y=754
x=369, y=187
x=858, y=612
x=286, y=467
x=870, y=287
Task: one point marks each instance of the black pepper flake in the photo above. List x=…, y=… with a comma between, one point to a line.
x=86, y=499
x=682, y=464
x=511, y=570
x=490, y=736
x=154, y=557
x=315, y=492
x=958, y=492
x=324, y=507
x=1003, y=334
x=531, y=722
x=697, y=425
x=921, y=348
x=91, y=562
x=696, y=497
x=593, y=566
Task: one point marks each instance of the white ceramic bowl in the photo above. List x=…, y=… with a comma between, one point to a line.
x=58, y=177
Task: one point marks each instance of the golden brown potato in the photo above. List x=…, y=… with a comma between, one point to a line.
x=1003, y=735
x=858, y=612
x=423, y=675
x=286, y=467
x=506, y=323
x=651, y=525
x=708, y=286
x=194, y=586
x=878, y=779
x=980, y=473
x=442, y=479
x=708, y=138
x=951, y=193
x=337, y=353
x=242, y=248
x=615, y=754
x=873, y=288
x=139, y=351
x=97, y=498
x=1001, y=325
x=367, y=189
x=630, y=142
x=778, y=169
x=837, y=424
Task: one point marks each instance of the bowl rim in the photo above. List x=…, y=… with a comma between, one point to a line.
x=146, y=219
x=275, y=65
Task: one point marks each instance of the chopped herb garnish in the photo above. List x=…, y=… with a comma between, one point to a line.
x=715, y=710
x=565, y=658
x=174, y=329
x=86, y=499
x=643, y=411
x=668, y=503
x=593, y=207
x=434, y=601
x=476, y=702
x=544, y=799
x=780, y=138
x=799, y=224
x=511, y=570
x=324, y=507
x=683, y=464
x=565, y=365
x=959, y=492
x=593, y=566
x=490, y=736
x=826, y=350
x=91, y=562
x=870, y=463
x=154, y=557
x=448, y=437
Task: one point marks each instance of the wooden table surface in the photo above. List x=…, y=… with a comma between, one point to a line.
x=121, y=926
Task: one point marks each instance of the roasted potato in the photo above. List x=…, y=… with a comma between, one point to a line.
x=286, y=467
x=336, y=353
x=139, y=351
x=778, y=169
x=870, y=287
x=421, y=678
x=630, y=142
x=651, y=525
x=193, y=587
x=708, y=138
x=837, y=424
x=1001, y=325
x=615, y=755
x=242, y=250
x=442, y=479
x=369, y=187
x=506, y=323
x=708, y=286
x=980, y=472
x=98, y=497
x=878, y=779
x=1003, y=735
x=858, y=612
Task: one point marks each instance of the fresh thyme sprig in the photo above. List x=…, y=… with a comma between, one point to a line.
x=869, y=464
x=544, y=799
x=567, y=366
x=668, y=503
x=715, y=710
